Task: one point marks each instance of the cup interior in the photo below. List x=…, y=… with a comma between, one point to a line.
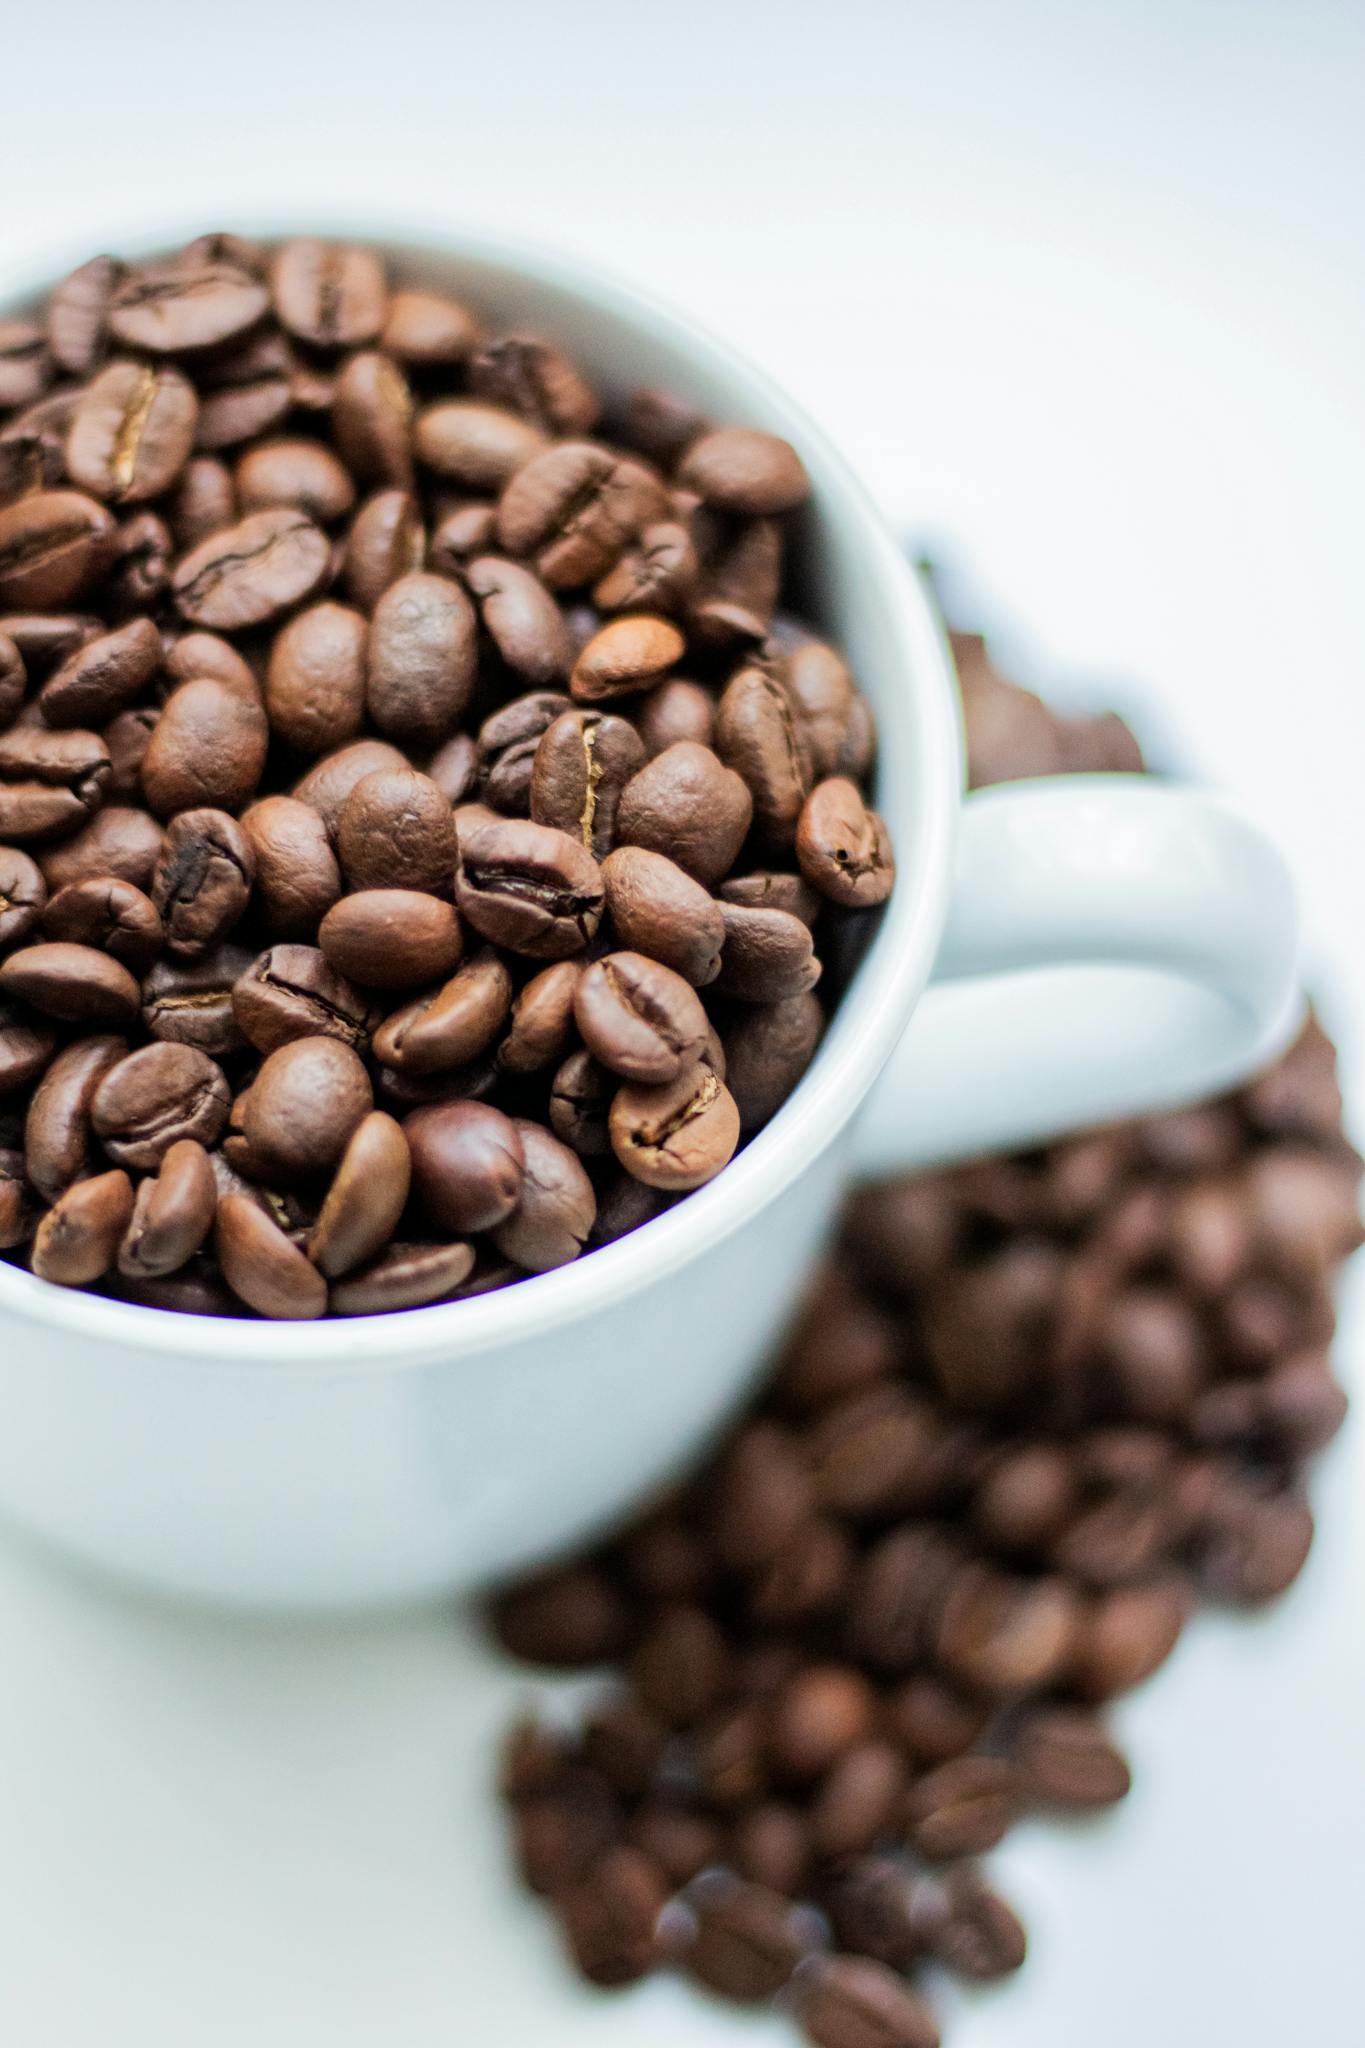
x=850, y=579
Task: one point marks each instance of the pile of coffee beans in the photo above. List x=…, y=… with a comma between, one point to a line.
x=1034, y=1411
x=421, y=831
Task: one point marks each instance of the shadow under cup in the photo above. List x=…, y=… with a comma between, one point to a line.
x=355, y=1463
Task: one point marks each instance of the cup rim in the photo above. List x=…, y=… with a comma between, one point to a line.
x=863, y=1031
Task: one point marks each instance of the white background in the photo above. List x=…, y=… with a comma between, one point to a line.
x=1079, y=288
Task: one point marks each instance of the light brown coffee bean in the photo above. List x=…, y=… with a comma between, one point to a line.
x=405, y=1276
x=391, y=938
x=480, y=447
x=263, y=1266
x=688, y=806
x=329, y=294
x=366, y=1199
x=208, y=748
x=449, y=1028
x=627, y=656
x=677, y=1136
x=297, y=879
x=132, y=432
x=305, y=1102
x=315, y=684
x=78, y=1239
x=179, y=312
x=172, y=1214
x=843, y=848
x=639, y=1018
x=659, y=910
x=428, y=330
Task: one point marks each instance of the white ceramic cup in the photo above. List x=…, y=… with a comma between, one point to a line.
x=1096, y=945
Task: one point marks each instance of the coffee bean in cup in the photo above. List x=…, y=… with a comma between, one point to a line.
x=429, y=843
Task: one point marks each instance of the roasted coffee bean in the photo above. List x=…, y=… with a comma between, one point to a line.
x=741, y=577
x=677, y=710
x=306, y=1100
x=454, y=767
x=315, y=685
x=397, y=831
x=208, y=748
x=823, y=1712
x=981, y=1937
x=688, y=806
x=1126, y=1635
x=262, y=1265
x=1026, y=1497
x=450, y=1027
x=627, y=656
x=305, y=474
x=422, y=656
x=853, y=2002
x=104, y=676
x=740, y=470
x=574, y=507
x=509, y=741
x=897, y=1593
x=542, y=1017
x=817, y=682
x=480, y=447
x=767, y=957
x=529, y=888
x=660, y=423
x=76, y=315
x=566, y=1618
x=963, y=1807
x=203, y=500
x=658, y=574
x=639, y=1018
x=154, y=1098
x=195, y=655
x=245, y=392
x=172, y=1214
x=882, y=1910
x=18, y=1212
x=74, y=983
x=747, y=1941
x=203, y=880
x=330, y=295
x=1068, y=1760
x=26, y=1046
x=108, y=914
x=23, y=894
x=428, y=330
x=292, y=992
x=580, y=1100
x=297, y=879
x=1003, y=1635
x=386, y=542
x=53, y=545
x=372, y=414
x=759, y=734
x=537, y=380
x=659, y=910
x=46, y=638
x=366, y=1199
x=50, y=782
x=521, y=618
x=78, y=1239
x=132, y=432
x=391, y=938
x=179, y=312
x=191, y=1003
x=842, y=847
x=772, y=889
x=405, y=1276
x=327, y=785
x=770, y=1845
x=610, y=1918
x=582, y=762
x=468, y=1165
x=676, y=1136
x=767, y=1049
x=250, y=573
x=13, y=679
x=57, y=1127
x=554, y=1215
x=463, y=533
x=1253, y=1546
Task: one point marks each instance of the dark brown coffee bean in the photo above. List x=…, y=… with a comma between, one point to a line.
x=816, y=681
x=76, y=314
x=305, y=1102
x=454, y=767
x=103, y=676
x=396, y=830
x=1254, y=1546
x=1005, y=1635
x=677, y=1136
x=468, y=1165
x=897, y=1594
x=1026, y=1497
x=574, y=507
x=125, y=739
x=852, y=2002
x=683, y=1844
x=843, y=848
x=639, y=1018
x=19, y=1213
x=772, y=889
x=179, y=312
x=250, y=573
x=387, y=540
x=263, y=1266
x=770, y=1845
x=659, y=574
x=566, y=1618
x=46, y=638
x=932, y=1721
x=372, y=414
x=562, y=1833
x=882, y=1910
x=422, y=656
x=188, y=1003
x=542, y=1017
x=963, y=1807
x=825, y=1710
x=480, y=447
x=747, y=1941
x=391, y=938
x=880, y=1454
x=760, y=736
x=315, y=684
x=57, y=1128
x=172, y=1215
x=53, y=545
x=859, y=749
x=132, y=432
x=1068, y=1760
x=660, y=423
x=981, y=1937
x=768, y=955
x=627, y=656
x=245, y=393
x=26, y=1046
x=580, y=1099
x=741, y=577
x=452, y=1026
x=1302, y=1406
x=555, y=1209
x=108, y=914
x=582, y=762
x=203, y=500
x=1126, y=1636
x=535, y=379
x=676, y=711
x=23, y=894
x=405, y=1276
x=741, y=470
x=508, y=743
x=291, y=992
x=13, y=679
x=767, y=1049
x=297, y=879
x=687, y=805
x=195, y=655
x=154, y=1098
x=428, y=330
x=366, y=1199
x=464, y=533
x=208, y=748
x=203, y=880
x=78, y=1239
x=529, y=888
x=659, y=910
x=50, y=782
x=305, y=474
x=860, y=1800
x=75, y=984
x=331, y=295
x=521, y=618
x=327, y=785
x=610, y=1917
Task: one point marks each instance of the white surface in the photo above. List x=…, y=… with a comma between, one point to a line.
x=1103, y=269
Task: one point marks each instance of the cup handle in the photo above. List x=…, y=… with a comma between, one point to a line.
x=1114, y=946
